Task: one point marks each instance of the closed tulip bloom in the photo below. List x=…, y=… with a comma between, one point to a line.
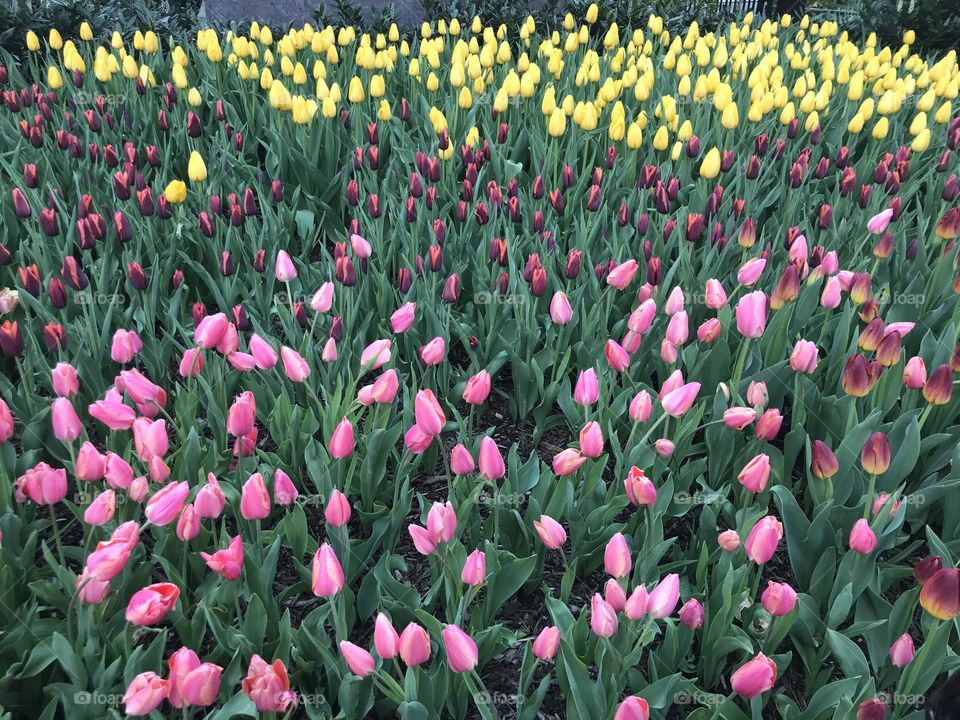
x=633, y=708
x=875, y=456
x=6, y=422
x=386, y=640
x=664, y=447
x=428, y=412
x=862, y=538
x=376, y=355
x=461, y=461
x=803, y=359
x=490, y=463
x=382, y=390
x=636, y=605
x=475, y=568
x=191, y=364
x=264, y=356
x=360, y=662
x=90, y=463
x=616, y=557
x=201, y=686
x=603, y=618
x=709, y=330
x=285, y=270
x=831, y=295
x=728, y=540
x=778, y=599
x=242, y=414
x=268, y=686
x=878, y=223
x=873, y=709
x=587, y=389
x=677, y=402
x=678, y=329
x=125, y=346
x=750, y=272
x=824, y=463
x=614, y=594
x=663, y=599
x=756, y=473
x=560, y=311
x=151, y=604
x=642, y=317
x=322, y=299
x=716, y=296
x=940, y=595
x=902, y=651
x=294, y=366
x=181, y=664
x=461, y=650
x=691, y=614
x=65, y=381
x=284, y=491
x=567, y=462
x=188, y=524
x=414, y=645
x=117, y=471
x=337, y=511
x=442, y=522
x=914, y=373
x=434, y=351
x=617, y=358
x=547, y=643
x=591, y=440
x=210, y=501
x=622, y=275
x=102, y=509
x=341, y=443
x=477, y=389
x=641, y=406
x=403, y=317
x=737, y=418
x=939, y=386
x=66, y=424
x=768, y=426
x=361, y=246
x=145, y=693
x=752, y=314
x=550, y=531
x=757, y=394
x=416, y=439
x=754, y=677
x=254, y=498
x=226, y=563
x=326, y=574
x=166, y=503
x=763, y=539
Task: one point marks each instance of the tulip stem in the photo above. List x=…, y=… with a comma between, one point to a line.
x=871, y=489
x=738, y=368
x=924, y=415
x=56, y=534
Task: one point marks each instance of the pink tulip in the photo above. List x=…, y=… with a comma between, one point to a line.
x=642, y=317
x=640, y=491
x=90, y=590
x=664, y=447
x=242, y=362
x=385, y=637
x=416, y=439
x=210, y=501
x=110, y=556
x=361, y=247
x=337, y=511
x=769, y=424
x=691, y=614
x=587, y=389
x=210, y=331
x=477, y=389
x=382, y=391
x=763, y=539
x=641, y=406
x=754, y=677
x=560, y=311
x=567, y=462
x=902, y=651
x=677, y=402
x=663, y=599
x=460, y=648
x=617, y=358
x=715, y=296
x=756, y=473
x=831, y=296
x=268, y=686
x=461, y=461
x=709, y=330
x=188, y=524
x=550, y=531
x=915, y=373
x=622, y=275
x=603, y=618
x=675, y=302
x=66, y=424
x=264, y=356
x=591, y=440
x=779, y=598
x=737, y=418
x=728, y=540
x=329, y=353
x=616, y=557
x=254, y=498
x=150, y=438
x=326, y=574
x=428, y=413
x=294, y=366
x=181, y=664
x=284, y=491
x=490, y=462
x=547, y=644
x=285, y=271
x=112, y=412
x=414, y=645
x=678, y=329
x=751, y=271
x=191, y=364
x=360, y=662
x=862, y=538
x=633, y=708
x=90, y=463
x=614, y=594
x=65, y=381
x=166, y=503
x=117, y=471
x=322, y=299
x=102, y=509
x=752, y=314
x=151, y=604
x=125, y=346
x=341, y=443
x=403, y=317
x=475, y=568
x=423, y=541
x=227, y=563
x=803, y=359
x=376, y=355
x=442, y=522
x=6, y=422
x=757, y=394
x=201, y=686
x=636, y=605
x=434, y=351
x=668, y=352
x=878, y=223
x=145, y=693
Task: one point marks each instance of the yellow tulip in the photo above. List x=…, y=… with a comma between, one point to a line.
x=465, y=98
x=730, y=117
x=86, y=32
x=634, y=136
x=194, y=98
x=710, y=166
x=922, y=141
x=33, y=42
x=880, y=129
x=54, y=40
x=943, y=113
x=355, y=92
x=856, y=124
x=176, y=192
x=661, y=139
x=196, y=168
x=377, y=86
x=592, y=12
x=557, y=125
x=54, y=79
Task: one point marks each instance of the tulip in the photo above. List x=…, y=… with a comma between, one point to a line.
x=490, y=463
x=322, y=299
x=937, y=390
x=461, y=461
x=862, y=538
x=294, y=366
x=385, y=637
x=728, y=540
x=360, y=662
x=878, y=223
x=433, y=352
x=188, y=524
x=337, y=511
x=778, y=599
x=750, y=272
x=477, y=389
x=226, y=563
x=65, y=381
x=902, y=651
x=102, y=509
x=145, y=693
x=663, y=599
x=7, y=423
x=264, y=356
x=151, y=604
x=560, y=311
x=342, y=443
x=90, y=463
x=803, y=359
x=475, y=568
x=268, y=686
x=756, y=473
x=940, y=595
x=402, y=318
x=603, y=618
x=461, y=650
x=567, y=462
x=617, y=358
x=616, y=556
x=927, y=568
x=429, y=415
x=633, y=708
x=754, y=677
x=181, y=664
x=768, y=426
x=326, y=574
x=441, y=522
x=914, y=373
x=641, y=406
x=614, y=594
x=547, y=643
x=591, y=440
x=66, y=424
x=737, y=418
x=691, y=614
x=621, y=275
x=873, y=709
x=763, y=539
x=636, y=605
x=254, y=498
x=242, y=414
x=166, y=503
x=414, y=646
x=677, y=402
x=117, y=471
x=551, y=532
x=201, y=686
x=640, y=491
x=383, y=390
x=210, y=501
x=284, y=491
x=587, y=390
x=752, y=315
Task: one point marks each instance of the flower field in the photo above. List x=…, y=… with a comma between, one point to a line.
x=479, y=372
